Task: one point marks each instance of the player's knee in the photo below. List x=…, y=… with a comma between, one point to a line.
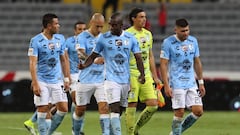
x=103, y=108
x=152, y=108
x=122, y=109
x=62, y=106
x=115, y=107
x=80, y=110
x=179, y=112
x=63, y=109
x=132, y=104
x=151, y=102
x=198, y=113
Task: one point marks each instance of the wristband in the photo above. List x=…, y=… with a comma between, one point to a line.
x=200, y=81
x=66, y=79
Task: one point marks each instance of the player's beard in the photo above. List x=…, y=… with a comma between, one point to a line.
x=55, y=30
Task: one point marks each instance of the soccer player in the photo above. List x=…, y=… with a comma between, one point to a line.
x=180, y=58
x=91, y=78
x=47, y=66
x=30, y=123
x=74, y=61
x=115, y=46
x=144, y=92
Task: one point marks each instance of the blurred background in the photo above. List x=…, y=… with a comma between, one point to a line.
x=216, y=24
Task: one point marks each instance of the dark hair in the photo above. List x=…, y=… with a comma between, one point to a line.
x=78, y=22
x=117, y=16
x=181, y=22
x=48, y=18
x=134, y=13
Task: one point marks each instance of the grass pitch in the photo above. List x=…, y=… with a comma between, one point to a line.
x=211, y=123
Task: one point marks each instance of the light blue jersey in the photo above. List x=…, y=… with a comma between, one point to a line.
x=181, y=56
x=48, y=53
x=116, y=52
x=95, y=72
x=72, y=53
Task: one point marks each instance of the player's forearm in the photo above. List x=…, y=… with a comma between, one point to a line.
x=198, y=68
x=82, y=55
x=67, y=63
x=65, y=69
x=153, y=66
x=90, y=59
x=33, y=75
x=164, y=72
x=33, y=70
x=139, y=62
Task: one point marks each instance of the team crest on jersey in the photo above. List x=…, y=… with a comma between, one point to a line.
x=118, y=42
x=51, y=46
x=185, y=48
x=143, y=40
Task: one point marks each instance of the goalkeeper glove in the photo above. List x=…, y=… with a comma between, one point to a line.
x=160, y=98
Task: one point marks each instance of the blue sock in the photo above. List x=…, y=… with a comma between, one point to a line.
x=77, y=124
x=115, y=123
x=176, y=126
x=41, y=120
x=81, y=129
x=73, y=106
x=56, y=121
x=34, y=117
x=48, y=123
x=189, y=120
x=111, y=131
x=105, y=124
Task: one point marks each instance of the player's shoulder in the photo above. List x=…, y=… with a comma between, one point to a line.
x=106, y=35
x=146, y=31
x=128, y=34
x=171, y=39
x=130, y=29
x=59, y=37
x=192, y=38
x=37, y=38
x=85, y=34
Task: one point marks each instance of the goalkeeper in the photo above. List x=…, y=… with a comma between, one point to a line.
x=145, y=92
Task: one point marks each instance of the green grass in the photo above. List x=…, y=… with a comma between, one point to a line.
x=211, y=123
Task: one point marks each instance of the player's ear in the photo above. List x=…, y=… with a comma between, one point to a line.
x=132, y=18
x=175, y=29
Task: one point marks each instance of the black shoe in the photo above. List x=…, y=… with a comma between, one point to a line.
x=81, y=133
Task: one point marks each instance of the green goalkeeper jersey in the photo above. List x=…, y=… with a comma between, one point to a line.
x=145, y=41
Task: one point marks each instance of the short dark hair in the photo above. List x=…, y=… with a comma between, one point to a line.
x=48, y=18
x=181, y=22
x=134, y=13
x=78, y=22
x=117, y=16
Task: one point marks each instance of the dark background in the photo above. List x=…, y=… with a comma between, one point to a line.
x=220, y=95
